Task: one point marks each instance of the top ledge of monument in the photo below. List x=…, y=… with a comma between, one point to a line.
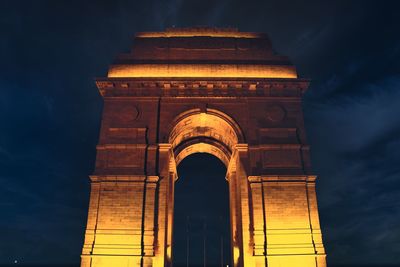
x=201, y=32
x=201, y=52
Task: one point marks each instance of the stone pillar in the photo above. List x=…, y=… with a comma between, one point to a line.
x=149, y=218
x=163, y=250
x=91, y=224
x=114, y=236
x=289, y=233
x=244, y=205
x=259, y=226
x=236, y=239
x=314, y=220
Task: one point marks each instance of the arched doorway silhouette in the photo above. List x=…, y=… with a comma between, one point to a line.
x=201, y=232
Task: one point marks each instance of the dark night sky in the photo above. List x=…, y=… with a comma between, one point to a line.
x=50, y=52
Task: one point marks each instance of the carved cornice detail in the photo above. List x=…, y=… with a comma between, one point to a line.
x=282, y=178
x=117, y=87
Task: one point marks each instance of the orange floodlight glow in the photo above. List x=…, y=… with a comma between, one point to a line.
x=201, y=71
x=200, y=31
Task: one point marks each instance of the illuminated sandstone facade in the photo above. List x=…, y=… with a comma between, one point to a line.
x=216, y=91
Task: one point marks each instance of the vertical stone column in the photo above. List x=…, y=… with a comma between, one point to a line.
x=91, y=224
x=233, y=212
x=115, y=221
x=288, y=227
x=242, y=184
x=163, y=245
x=314, y=221
x=258, y=215
x=170, y=221
x=149, y=219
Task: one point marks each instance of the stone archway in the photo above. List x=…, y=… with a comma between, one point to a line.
x=216, y=133
x=218, y=91
x=212, y=132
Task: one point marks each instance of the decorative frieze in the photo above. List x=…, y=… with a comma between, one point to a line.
x=112, y=87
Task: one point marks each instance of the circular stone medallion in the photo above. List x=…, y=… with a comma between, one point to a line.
x=275, y=113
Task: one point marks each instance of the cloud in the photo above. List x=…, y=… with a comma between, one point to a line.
x=166, y=13
x=355, y=142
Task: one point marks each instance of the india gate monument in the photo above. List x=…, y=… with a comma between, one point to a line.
x=217, y=91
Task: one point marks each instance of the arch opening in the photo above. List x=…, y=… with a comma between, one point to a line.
x=201, y=213
x=213, y=135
